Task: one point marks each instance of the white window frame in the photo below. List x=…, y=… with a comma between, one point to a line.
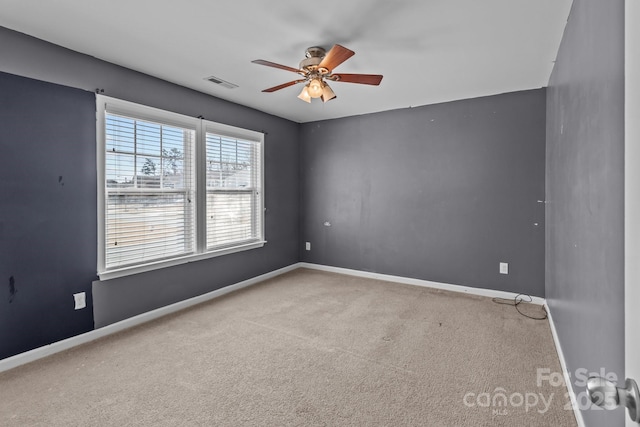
x=104, y=105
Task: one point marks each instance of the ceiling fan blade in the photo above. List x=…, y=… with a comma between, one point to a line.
x=365, y=79
x=274, y=65
x=336, y=56
x=282, y=86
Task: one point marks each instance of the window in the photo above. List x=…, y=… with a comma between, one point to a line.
x=149, y=195
x=232, y=190
x=173, y=189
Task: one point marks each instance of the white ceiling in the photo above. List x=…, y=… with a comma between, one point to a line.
x=429, y=51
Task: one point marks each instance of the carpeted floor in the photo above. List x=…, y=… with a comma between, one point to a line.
x=307, y=348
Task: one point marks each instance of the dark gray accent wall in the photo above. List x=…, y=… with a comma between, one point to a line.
x=585, y=184
x=48, y=216
x=125, y=297
x=441, y=192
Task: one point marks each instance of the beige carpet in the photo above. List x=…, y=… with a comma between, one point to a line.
x=305, y=349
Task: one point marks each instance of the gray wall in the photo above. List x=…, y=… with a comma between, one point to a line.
x=48, y=217
x=120, y=298
x=442, y=192
x=585, y=182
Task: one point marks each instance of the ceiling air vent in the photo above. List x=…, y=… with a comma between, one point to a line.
x=219, y=81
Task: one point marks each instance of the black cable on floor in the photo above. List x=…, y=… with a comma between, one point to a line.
x=516, y=302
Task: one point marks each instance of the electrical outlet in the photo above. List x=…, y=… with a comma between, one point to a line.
x=307, y=246
x=80, y=300
x=504, y=268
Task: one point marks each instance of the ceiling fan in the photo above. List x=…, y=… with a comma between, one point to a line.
x=316, y=68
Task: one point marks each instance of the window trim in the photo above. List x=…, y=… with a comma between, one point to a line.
x=106, y=104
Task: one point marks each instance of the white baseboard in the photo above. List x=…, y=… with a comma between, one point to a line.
x=418, y=282
x=565, y=370
x=47, y=350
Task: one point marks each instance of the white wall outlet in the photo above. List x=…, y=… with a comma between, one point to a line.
x=307, y=246
x=80, y=300
x=504, y=268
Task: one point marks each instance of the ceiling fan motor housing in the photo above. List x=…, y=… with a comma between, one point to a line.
x=314, y=56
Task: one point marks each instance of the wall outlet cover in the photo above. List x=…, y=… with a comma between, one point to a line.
x=80, y=300
x=504, y=268
x=307, y=246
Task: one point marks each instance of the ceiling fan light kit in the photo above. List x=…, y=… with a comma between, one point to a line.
x=304, y=95
x=316, y=68
x=317, y=90
x=327, y=93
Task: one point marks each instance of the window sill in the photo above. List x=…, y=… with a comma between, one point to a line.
x=128, y=271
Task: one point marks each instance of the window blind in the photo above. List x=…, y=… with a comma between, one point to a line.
x=233, y=205
x=150, y=183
